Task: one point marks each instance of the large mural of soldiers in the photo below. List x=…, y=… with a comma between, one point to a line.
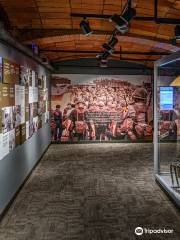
x=101, y=108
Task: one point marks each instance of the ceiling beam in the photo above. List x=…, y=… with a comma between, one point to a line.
x=29, y=35
x=151, y=53
x=107, y=16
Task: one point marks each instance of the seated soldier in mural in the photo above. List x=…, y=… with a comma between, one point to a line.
x=127, y=129
x=135, y=118
x=164, y=129
x=148, y=131
x=100, y=125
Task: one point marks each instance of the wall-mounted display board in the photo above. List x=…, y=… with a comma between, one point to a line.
x=102, y=108
x=23, y=104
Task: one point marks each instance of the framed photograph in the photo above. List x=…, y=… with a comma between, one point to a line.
x=8, y=122
x=11, y=72
x=24, y=76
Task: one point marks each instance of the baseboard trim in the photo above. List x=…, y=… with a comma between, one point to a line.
x=169, y=196
x=98, y=141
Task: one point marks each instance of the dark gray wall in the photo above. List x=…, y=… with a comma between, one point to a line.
x=15, y=167
x=91, y=66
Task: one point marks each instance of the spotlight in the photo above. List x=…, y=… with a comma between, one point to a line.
x=176, y=38
x=84, y=24
x=103, y=56
x=98, y=56
x=122, y=21
x=177, y=32
x=173, y=41
x=103, y=63
x=111, y=44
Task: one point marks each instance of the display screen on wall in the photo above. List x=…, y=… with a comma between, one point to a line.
x=169, y=115
x=166, y=98
x=101, y=108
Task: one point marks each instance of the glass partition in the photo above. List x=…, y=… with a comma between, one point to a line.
x=167, y=124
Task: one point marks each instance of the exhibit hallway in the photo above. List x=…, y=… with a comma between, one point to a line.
x=91, y=192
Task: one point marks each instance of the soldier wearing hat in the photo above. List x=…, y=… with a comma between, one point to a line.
x=76, y=124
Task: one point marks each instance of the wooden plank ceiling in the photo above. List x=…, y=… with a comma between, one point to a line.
x=50, y=24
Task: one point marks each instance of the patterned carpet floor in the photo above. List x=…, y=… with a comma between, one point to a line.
x=91, y=192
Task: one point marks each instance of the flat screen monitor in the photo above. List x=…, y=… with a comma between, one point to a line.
x=166, y=98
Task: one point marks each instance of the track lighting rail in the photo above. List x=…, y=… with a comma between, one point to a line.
x=173, y=21
x=154, y=18
x=151, y=53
